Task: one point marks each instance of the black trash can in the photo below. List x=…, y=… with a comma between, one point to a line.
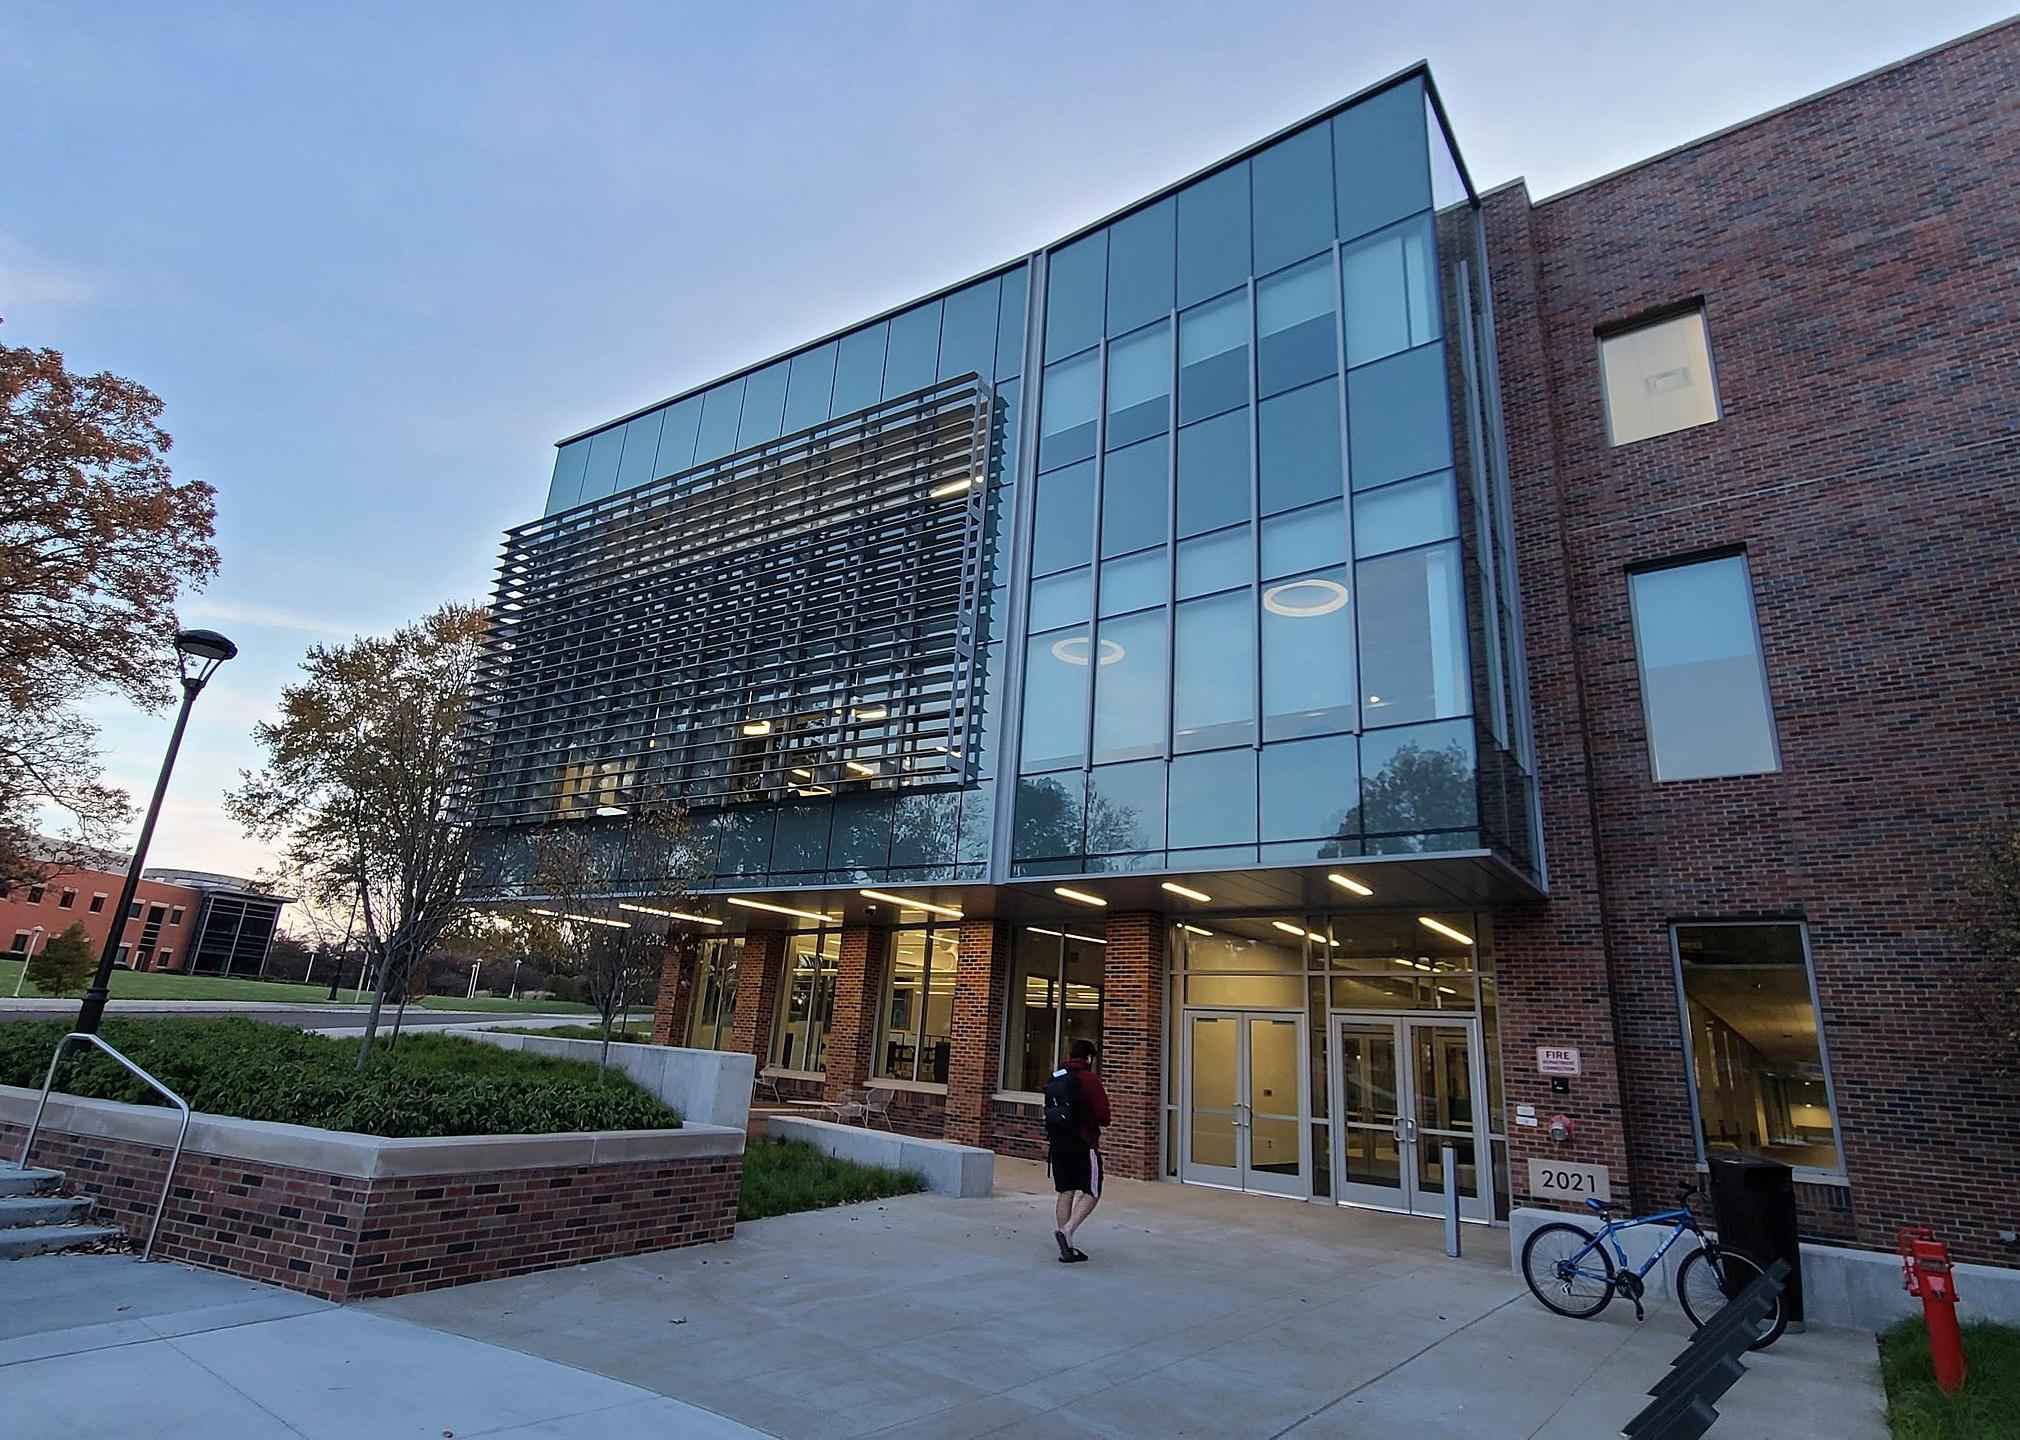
x=1754, y=1203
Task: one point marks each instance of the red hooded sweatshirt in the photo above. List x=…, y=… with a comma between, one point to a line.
x=1095, y=1098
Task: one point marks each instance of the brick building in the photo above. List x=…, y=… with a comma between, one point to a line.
x=179, y=920
x=1394, y=664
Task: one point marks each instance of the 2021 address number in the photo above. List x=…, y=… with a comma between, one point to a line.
x=1563, y=1179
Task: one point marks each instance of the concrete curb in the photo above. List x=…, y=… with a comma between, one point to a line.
x=964, y=1171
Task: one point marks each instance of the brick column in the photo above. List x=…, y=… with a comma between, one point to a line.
x=975, y=1058
x=1132, y=1043
x=852, y=1024
x=678, y=973
x=757, y=992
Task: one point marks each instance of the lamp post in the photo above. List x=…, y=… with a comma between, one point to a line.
x=34, y=937
x=198, y=653
x=515, y=976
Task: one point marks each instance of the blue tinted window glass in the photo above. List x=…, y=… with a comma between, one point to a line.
x=1213, y=473
x=1060, y=600
x=922, y=829
x=1295, y=343
x=1391, y=304
x=860, y=836
x=1448, y=186
x=1213, y=680
x=1139, y=386
x=764, y=400
x=1134, y=497
x=641, y=445
x=1307, y=539
x=1056, y=669
x=1063, y=529
x=801, y=841
x=571, y=462
x=1293, y=198
x=1307, y=655
x=600, y=477
x=1213, y=248
x=1140, y=267
x=721, y=409
x=1125, y=807
x=1129, y=687
x=914, y=356
x=1134, y=582
x=1413, y=636
x=1212, y=799
x=1399, y=419
x=746, y=840
x=1213, y=357
x=978, y=825
x=809, y=387
x=1051, y=812
x=1068, y=409
x=1010, y=318
x=1703, y=685
x=1300, y=447
x=859, y=370
x=1418, y=778
x=1381, y=159
x=1311, y=790
x=968, y=332
x=1216, y=562
x=677, y=435
x=1073, y=289
x=1396, y=517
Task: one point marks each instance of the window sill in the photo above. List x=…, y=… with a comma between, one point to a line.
x=921, y=1087
x=1803, y=1175
x=1019, y=1097
x=772, y=1072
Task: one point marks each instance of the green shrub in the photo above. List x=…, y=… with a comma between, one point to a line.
x=426, y=1085
x=619, y=1034
x=1988, y=1408
x=784, y=1176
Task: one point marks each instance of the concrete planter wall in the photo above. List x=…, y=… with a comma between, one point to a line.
x=710, y=1087
x=346, y=1216
x=966, y=1171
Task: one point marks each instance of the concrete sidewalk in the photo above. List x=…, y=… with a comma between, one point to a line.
x=94, y=1347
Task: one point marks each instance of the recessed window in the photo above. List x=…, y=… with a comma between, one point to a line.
x=175, y=916
x=711, y=1016
x=66, y=900
x=1055, y=998
x=20, y=945
x=1703, y=684
x=1756, y=1053
x=806, y=1000
x=97, y=902
x=919, y=1004
x=34, y=894
x=1658, y=378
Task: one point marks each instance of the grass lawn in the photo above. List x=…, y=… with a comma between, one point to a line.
x=503, y=1004
x=784, y=1176
x=633, y=1034
x=425, y=1085
x=169, y=985
x=1988, y=1407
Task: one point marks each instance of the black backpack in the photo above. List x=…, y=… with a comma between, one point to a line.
x=1064, y=1106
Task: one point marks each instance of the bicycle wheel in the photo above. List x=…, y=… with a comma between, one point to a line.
x=1708, y=1279
x=1564, y=1274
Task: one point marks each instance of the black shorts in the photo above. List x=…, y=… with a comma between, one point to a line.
x=1076, y=1167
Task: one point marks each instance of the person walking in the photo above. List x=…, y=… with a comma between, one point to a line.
x=1076, y=1109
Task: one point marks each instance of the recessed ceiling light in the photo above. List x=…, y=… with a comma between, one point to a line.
x=1187, y=891
x=777, y=909
x=757, y=727
x=911, y=904
x=872, y=712
x=803, y=772
x=611, y=812
x=1346, y=882
x=952, y=487
x=1289, y=929
x=1067, y=892
x=1066, y=935
x=860, y=768
x=1195, y=930
x=813, y=790
x=1443, y=929
x=669, y=914
x=581, y=919
x=1309, y=596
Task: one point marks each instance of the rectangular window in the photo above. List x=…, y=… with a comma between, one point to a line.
x=1055, y=999
x=806, y=1000
x=1413, y=636
x=97, y=902
x=711, y=1016
x=20, y=945
x=34, y=894
x=66, y=900
x=1703, y=682
x=918, y=1011
x=175, y=916
x=1755, y=1051
x=161, y=960
x=1658, y=378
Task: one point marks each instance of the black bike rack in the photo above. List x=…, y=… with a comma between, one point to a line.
x=1709, y=1365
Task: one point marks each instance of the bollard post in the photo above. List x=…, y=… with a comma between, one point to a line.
x=1450, y=1158
x=1925, y=1270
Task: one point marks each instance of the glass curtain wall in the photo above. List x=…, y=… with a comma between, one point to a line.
x=1329, y=965
x=1248, y=637
x=711, y=1013
x=917, y=1018
x=806, y=1000
x=1054, y=999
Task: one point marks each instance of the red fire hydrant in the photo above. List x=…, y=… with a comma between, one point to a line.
x=1925, y=1271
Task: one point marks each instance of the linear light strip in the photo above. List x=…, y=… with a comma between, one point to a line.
x=779, y=909
x=910, y=904
x=1067, y=892
x=1443, y=929
x=668, y=914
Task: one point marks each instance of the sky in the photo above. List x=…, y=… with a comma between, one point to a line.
x=377, y=259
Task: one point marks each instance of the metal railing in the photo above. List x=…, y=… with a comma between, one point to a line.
x=181, y=1134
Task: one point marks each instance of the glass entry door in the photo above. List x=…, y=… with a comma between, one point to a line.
x=1408, y=1087
x=1244, y=1123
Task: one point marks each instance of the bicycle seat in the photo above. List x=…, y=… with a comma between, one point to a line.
x=1602, y=1207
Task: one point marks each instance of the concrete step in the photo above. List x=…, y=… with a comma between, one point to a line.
x=22, y=1210
x=48, y=1239
x=16, y=1181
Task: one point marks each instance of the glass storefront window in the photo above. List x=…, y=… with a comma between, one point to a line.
x=711, y=1013
x=1054, y=1001
x=918, y=1010
x=1756, y=1053
x=806, y=1000
x=1413, y=636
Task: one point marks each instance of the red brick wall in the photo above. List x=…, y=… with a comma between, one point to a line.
x=1856, y=257
x=852, y=1024
x=921, y=1113
x=1132, y=1043
x=16, y=914
x=975, y=1054
x=1019, y=1128
x=757, y=993
x=348, y=1239
x=675, y=999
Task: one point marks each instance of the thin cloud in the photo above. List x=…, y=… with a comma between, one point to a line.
x=27, y=278
x=269, y=617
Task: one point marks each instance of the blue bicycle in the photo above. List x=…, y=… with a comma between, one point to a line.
x=1568, y=1269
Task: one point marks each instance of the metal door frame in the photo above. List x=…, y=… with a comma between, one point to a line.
x=1477, y=1209
x=1241, y=1015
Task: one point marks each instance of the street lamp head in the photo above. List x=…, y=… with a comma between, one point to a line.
x=208, y=648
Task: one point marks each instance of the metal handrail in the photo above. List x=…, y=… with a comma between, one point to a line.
x=175, y=1156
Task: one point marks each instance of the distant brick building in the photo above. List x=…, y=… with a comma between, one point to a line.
x=1395, y=664
x=180, y=920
